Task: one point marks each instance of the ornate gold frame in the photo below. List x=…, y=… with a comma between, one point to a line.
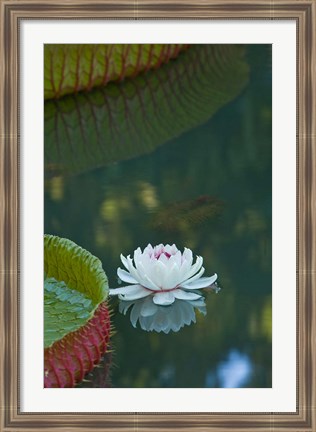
x=12, y=12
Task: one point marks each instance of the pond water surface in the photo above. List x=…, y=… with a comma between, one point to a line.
x=181, y=154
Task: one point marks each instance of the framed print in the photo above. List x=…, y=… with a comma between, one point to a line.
x=165, y=153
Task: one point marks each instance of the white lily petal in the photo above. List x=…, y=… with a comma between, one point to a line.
x=123, y=290
x=164, y=298
x=148, y=249
x=137, y=255
x=172, y=249
x=145, y=277
x=134, y=273
x=187, y=257
x=177, y=257
x=131, y=292
x=158, y=272
x=150, y=284
x=200, y=283
x=194, y=269
x=147, y=258
x=158, y=249
x=172, y=277
x=124, y=261
x=197, y=276
x=125, y=276
x=185, y=267
x=167, y=248
x=174, y=260
x=135, y=296
x=185, y=295
x=164, y=259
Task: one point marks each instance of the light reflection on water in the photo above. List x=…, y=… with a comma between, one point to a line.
x=234, y=371
x=129, y=203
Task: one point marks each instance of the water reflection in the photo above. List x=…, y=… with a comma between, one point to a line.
x=100, y=377
x=152, y=317
x=178, y=216
x=110, y=210
x=233, y=372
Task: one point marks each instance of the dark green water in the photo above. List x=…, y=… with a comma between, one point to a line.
x=180, y=155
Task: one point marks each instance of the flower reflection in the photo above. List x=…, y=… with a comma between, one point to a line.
x=153, y=317
x=163, y=273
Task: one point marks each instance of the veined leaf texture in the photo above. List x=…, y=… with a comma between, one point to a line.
x=124, y=120
x=69, y=68
x=76, y=316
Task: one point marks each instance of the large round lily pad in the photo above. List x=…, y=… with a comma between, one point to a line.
x=76, y=317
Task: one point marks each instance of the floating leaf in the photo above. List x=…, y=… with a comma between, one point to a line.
x=69, y=68
x=78, y=268
x=125, y=120
x=68, y=360
x=76, y=316
x=65, y=310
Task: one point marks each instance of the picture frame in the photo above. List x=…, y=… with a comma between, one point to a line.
x=303, y=12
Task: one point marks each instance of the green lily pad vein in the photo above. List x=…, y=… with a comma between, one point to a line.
x=65, y=310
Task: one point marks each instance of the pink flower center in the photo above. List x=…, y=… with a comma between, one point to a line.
x=158, y=254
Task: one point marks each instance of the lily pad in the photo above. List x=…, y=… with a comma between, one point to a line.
x=76, y=267
x=122, y=121
x=69, y=68
x=76, y=316
x=65, y=310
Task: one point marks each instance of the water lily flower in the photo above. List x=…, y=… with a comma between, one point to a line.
x=163, y=272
